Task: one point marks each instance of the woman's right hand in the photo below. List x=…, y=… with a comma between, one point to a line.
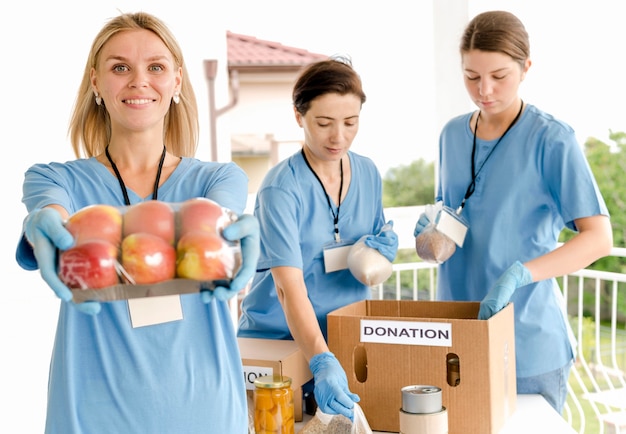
x=422, y=222
x=331, y=386
x=46, y=233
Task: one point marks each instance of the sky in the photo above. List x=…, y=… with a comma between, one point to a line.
x=577, y=75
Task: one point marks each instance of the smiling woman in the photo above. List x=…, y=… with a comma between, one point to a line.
x=136, y=121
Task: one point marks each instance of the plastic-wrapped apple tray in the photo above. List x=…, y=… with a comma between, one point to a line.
x=101, y=231
x=124, y=291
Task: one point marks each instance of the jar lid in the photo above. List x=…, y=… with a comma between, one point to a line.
x=272, y=382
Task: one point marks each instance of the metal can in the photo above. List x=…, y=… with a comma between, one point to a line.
x=422, y=411
x=273, y=405
x=421, y=399
x=453, y=371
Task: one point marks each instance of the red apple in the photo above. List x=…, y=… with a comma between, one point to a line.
x=103, y=222
x=203, y=255
x=201, y=214
x=91, y=264
x=153, y=216
x=148, y=258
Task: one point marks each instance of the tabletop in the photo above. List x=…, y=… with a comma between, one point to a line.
x=533, y=414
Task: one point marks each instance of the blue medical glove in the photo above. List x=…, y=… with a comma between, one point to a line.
x=246, y=230
x=517, y=275
x=422, y=222
x=430, y=215
x=45, y=232
x=386, y=242
x=331, y=386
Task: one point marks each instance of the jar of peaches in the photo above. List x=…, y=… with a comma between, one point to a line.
x=273, y=405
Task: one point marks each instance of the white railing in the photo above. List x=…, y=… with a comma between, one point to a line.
x=596, y=400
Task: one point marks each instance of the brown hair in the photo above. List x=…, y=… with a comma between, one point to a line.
x=90, y=125
x=497, y=31
x=334, y=75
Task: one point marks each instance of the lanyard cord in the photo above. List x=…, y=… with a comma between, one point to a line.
x=335, y=216
x=155, y=191
x=472, y=186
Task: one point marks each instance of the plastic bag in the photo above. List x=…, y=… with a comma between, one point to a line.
x=431, y=245
x=337, y=423
x=368, y=265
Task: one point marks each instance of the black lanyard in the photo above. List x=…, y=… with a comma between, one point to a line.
x=335, y=216
x=155, y=191
x=472, y=186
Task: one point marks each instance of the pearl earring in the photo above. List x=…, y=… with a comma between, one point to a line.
x=176, y=98
x=98, y=98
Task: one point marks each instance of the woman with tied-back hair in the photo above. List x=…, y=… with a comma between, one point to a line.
x=312, y=206
x=517, y=176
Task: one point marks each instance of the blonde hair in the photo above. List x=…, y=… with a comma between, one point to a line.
x=90, y=125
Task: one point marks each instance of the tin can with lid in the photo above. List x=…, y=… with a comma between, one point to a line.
x=273, y=405
x=422, y=411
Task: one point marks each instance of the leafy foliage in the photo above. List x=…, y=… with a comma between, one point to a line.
x=608, y=164
x=409, y=185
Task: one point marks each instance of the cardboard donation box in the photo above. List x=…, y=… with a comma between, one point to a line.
x=385, y=345
x=262, y=357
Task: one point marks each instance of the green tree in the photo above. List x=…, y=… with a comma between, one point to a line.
x=409, y=185
x=608, y=164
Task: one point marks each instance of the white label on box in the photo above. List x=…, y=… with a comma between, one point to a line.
x=251, y=373
x=428, y=334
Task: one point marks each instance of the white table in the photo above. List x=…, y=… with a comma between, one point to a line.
x=533, y=415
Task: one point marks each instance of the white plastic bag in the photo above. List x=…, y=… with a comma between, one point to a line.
x=323, y=423
x=368, y=265
x=360, y=424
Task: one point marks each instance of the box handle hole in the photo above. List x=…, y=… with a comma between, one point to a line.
x=453, y=369
x=359, y=358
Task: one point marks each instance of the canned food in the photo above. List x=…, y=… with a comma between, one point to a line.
x=454, y=371
x=273, y=405
x=422, y=411
x=421, y=399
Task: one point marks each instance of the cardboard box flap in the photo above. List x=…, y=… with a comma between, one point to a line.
x=263, y=349
x=410, y=309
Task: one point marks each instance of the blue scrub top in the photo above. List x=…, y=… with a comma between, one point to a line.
x=296, y=225
x=106, y=376
x=535, y=183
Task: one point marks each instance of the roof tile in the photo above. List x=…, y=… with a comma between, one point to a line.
x=249, y=52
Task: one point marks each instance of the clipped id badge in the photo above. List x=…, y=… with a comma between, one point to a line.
x=452, y=225
x=336, y=255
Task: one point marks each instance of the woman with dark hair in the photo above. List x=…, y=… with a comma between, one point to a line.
x=320, y=200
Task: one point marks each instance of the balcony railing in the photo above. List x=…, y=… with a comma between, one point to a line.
x=596, y=401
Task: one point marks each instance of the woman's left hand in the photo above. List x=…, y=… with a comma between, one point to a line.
x=246, y=230
x=386, y=242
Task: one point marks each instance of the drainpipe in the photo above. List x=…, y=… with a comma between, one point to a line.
x=210, y=71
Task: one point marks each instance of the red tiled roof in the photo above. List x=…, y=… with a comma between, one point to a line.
x=249, y=53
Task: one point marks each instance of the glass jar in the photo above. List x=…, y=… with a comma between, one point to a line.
x=273, y=405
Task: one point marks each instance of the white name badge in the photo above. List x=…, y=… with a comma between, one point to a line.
x=336, y=257
x=451, y=225
x=154, y=310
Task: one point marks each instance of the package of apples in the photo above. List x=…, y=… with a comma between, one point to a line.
x=148, y=249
